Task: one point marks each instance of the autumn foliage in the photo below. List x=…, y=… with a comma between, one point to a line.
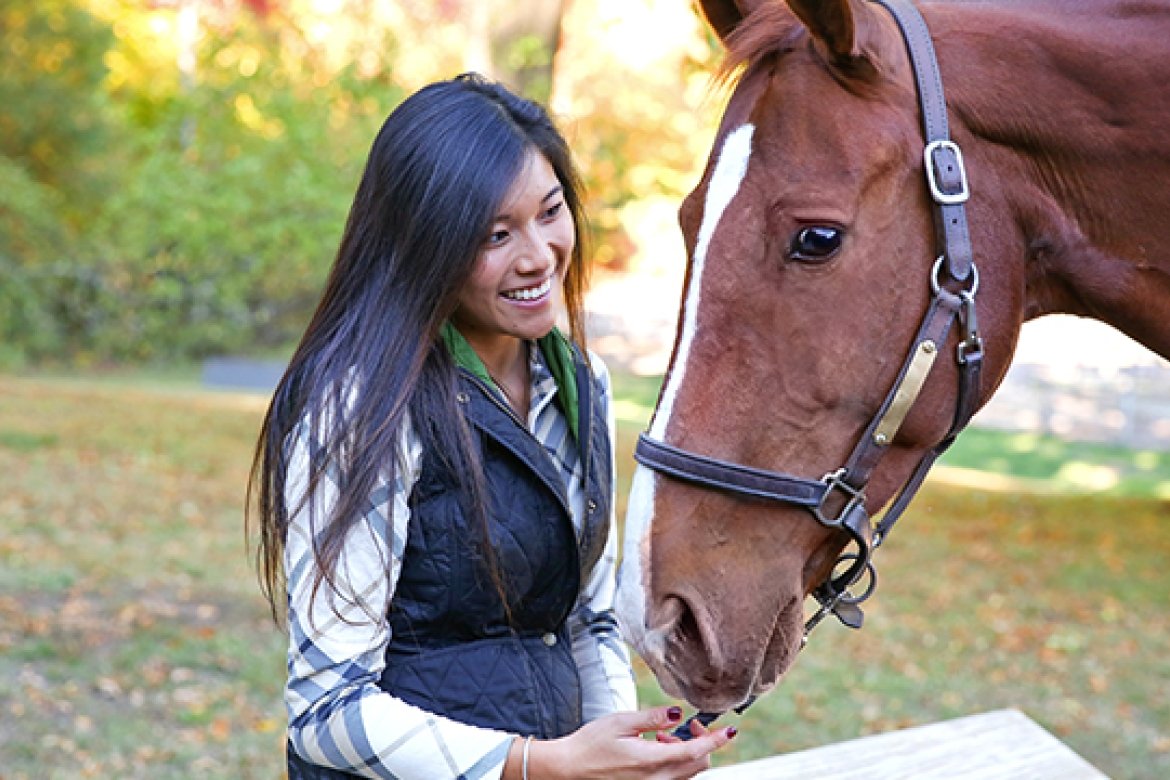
x=174, y=175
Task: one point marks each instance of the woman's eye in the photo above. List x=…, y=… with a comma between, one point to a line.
x=816, y=243
x=552, y=211
x=497, y=237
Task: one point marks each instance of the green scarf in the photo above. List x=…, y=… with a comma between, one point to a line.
x=557, y=351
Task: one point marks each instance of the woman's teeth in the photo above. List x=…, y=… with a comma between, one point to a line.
x=530, y=293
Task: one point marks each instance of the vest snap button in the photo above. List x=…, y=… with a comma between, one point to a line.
x=462, y=398
x=549, y=639
x=591, y=505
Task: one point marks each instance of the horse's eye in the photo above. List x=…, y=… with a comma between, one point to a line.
x=816, y=243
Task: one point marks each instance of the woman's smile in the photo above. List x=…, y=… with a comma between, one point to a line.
x=535, y=294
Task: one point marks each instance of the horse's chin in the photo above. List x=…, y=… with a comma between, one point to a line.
x=720, y=677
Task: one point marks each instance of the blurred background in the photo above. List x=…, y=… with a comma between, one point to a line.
x=174, y=177
x=174, y=174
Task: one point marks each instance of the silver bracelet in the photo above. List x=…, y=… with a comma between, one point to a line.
x=524, y=758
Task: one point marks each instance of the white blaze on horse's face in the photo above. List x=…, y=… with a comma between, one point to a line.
x=631, y=599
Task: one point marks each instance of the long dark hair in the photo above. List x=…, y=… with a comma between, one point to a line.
x=433, y=183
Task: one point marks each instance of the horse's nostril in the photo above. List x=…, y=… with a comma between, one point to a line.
x=688, y=637
x=687, y=628
x=689, y=650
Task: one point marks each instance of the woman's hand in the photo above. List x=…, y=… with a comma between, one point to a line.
x=612, y=748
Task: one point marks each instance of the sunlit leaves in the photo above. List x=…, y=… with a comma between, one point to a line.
x=633, y=84
x=53, y=119
x=229, y=142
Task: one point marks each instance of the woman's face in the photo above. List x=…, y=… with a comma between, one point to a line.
x=514, y=291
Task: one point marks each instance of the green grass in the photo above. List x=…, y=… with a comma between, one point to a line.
x=1046, y=463
x=134, y=642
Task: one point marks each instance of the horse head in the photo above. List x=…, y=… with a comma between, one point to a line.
x=812, y=247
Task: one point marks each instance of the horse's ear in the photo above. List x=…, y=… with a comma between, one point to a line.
x=725, y=15
x=836, y=24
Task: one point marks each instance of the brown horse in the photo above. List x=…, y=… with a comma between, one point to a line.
x=814, y=243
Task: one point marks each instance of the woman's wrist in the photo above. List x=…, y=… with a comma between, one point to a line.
x=512, y=764
x=533, y=759
x=544, y=762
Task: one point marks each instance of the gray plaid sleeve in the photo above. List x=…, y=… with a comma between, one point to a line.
x=338, y=716
x=603, y=661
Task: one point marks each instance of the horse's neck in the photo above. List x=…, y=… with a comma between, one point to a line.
x=1074, y=107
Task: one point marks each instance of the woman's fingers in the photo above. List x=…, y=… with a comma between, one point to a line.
x=703, y=741
x=642, y=721
x=686, y=759
x=694, y=726
x=698, y=729
x=612, y=746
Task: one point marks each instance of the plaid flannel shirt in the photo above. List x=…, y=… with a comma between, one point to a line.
x=338, y=716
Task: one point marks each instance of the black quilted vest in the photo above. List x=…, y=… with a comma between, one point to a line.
x=453, y=650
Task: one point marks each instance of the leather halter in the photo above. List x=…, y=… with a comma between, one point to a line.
x=837, y=500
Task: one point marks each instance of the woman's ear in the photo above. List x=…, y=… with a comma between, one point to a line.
x=724, y=15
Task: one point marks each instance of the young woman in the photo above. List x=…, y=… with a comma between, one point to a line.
x=434, y=478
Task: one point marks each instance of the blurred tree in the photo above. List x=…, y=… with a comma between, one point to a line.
x=123, y=238
x=223, y=230
x=31, y=236
x=634, y=89
x=55, y=126
x=515, y=41
x=55, y=120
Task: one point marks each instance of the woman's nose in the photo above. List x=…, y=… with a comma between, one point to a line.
x=536, y=253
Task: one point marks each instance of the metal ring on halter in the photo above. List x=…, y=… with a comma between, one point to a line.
x=934, y=284
x=869, y=569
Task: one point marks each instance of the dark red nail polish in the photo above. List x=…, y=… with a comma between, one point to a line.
x=731, y=732
x=674, y=713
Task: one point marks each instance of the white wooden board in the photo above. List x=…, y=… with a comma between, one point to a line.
x=999, y=745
